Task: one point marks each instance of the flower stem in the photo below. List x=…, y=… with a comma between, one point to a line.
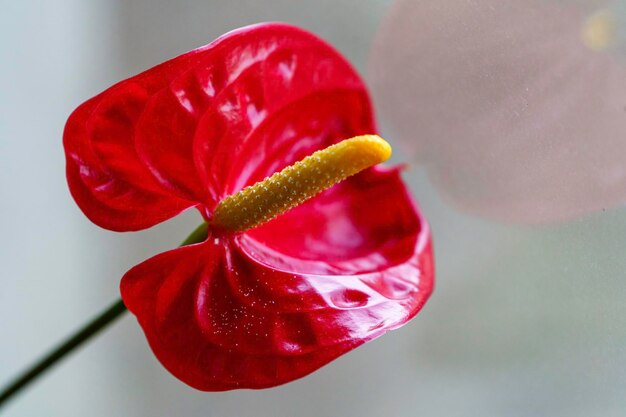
x=93, y=327
x=101, y=321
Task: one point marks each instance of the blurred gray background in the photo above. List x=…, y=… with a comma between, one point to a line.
x=524, y=321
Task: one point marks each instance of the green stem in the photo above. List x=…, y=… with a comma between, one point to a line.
x=105, y=318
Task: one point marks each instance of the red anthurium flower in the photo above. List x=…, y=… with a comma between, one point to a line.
x=262, y=307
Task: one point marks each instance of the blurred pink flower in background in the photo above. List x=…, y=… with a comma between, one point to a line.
x=517, y=108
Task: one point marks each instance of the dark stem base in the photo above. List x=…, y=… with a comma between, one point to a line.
x=91, y=328
x=97, y=324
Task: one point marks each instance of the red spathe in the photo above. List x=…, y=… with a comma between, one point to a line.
x=270, y=305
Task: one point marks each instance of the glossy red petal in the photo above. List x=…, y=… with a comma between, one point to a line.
x=108, y=199
x=300, y=97
x=201, y=125
x=108, y=180
x=241, y=80
x=219, y=319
